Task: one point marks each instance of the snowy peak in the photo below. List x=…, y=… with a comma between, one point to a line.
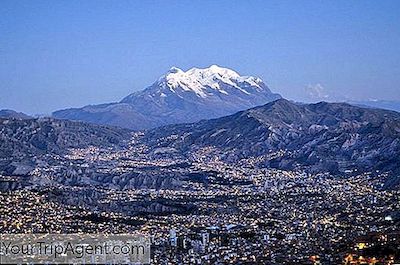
x=204, y=82
x=179, y=96
x=174, y=70
x=200, y=93
x=213, y=70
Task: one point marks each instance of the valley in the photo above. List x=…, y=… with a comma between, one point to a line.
x=199, y=202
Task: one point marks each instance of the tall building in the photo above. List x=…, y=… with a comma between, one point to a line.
x=173, y=239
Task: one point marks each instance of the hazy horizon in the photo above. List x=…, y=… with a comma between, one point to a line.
x=58, y=54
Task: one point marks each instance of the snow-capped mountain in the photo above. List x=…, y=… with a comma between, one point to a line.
x=178, y=97
x=204, y=83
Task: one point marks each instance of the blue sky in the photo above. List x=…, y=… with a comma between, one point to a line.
x=56, y=54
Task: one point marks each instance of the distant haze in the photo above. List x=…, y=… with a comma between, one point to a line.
x=59, y=54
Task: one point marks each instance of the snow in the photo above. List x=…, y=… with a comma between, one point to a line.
x=203, y=81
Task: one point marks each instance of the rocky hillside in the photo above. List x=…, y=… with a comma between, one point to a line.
x=334, y=137
x=27, y=140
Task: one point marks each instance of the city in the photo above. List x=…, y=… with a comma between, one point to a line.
x=208, y=211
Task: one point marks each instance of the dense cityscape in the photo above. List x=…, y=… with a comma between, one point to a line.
x=206, y=211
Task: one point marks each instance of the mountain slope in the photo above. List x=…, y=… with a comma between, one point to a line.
x=6, y=113
x=334, y=137
x=114, y=114
x=22, y=142
x=381, y=104
x=178, y=97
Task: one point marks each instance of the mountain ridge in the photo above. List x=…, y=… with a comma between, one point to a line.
x=8, y=113
x=332, y=137
x=179, y=97
x=335, y=138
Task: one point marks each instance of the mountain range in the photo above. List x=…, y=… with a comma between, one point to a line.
x=317, y=93
x=380, y=104
x=335, y=138
x=179, y=97
x=323, y=137
x=234, y=118
x=26, y=142
x=7, y=113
